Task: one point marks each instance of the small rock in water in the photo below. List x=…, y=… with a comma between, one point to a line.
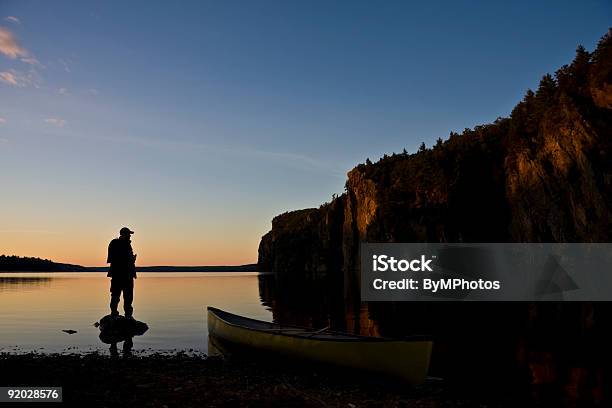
x=69, y=331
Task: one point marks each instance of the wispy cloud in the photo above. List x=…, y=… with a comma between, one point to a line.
x=62, y=91
x=65, y=64
x=288, y=159
x=9, y=78
x=55, y=122
x=3, y=140
x=11, y=48
x=2, y=121
x=12, y=19
x=16, y=78
x=31, y=61
x=13, y=78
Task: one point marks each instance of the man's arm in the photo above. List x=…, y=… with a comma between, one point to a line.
x=109, y=258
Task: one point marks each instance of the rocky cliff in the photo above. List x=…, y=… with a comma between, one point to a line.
x=542, y=175
x=305, y=240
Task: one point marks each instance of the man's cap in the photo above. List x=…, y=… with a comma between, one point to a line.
x=125, y=230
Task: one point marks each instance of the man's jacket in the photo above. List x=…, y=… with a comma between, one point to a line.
x=121, y=259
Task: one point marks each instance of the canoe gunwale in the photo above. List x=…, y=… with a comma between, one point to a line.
x=310, y=331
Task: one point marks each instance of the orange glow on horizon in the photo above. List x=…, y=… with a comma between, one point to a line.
x=90, y=249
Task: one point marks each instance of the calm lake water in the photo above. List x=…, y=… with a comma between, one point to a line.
x=36, y=307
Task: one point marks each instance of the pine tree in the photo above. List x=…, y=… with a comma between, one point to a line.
x=523, y=115
x=601, y=61
x=546, y=91
x=572, y=79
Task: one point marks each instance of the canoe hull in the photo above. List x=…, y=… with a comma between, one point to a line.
x=407, y=360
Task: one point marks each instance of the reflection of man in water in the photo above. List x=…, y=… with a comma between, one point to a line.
x=128, y=345
x=122, y=272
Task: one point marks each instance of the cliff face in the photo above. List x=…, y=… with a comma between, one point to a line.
x=542, y=175
x=559, y=187
x=304, y=240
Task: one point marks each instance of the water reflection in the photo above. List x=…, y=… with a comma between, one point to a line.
x=462, y=331
x=120, y=329
x=21, y=283
x=128, y=345
x=36, y=307
x=316, y=303
x=517, y=346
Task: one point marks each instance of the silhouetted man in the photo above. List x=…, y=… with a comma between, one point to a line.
x=122, y=271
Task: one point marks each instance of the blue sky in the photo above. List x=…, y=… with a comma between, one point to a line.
x=196, y=122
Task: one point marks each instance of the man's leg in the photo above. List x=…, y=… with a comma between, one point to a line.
x=115, y=295
x=128, y=297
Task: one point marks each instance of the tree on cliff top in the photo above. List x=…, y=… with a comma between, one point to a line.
x=601, y=68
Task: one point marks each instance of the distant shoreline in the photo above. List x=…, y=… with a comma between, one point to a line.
x=26, y=264
x=218, y=268
x=152, y=269
x=238, y=268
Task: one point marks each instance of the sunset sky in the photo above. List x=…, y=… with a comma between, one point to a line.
x=194, y=123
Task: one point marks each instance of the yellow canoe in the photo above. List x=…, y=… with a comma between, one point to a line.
x=407, y=359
